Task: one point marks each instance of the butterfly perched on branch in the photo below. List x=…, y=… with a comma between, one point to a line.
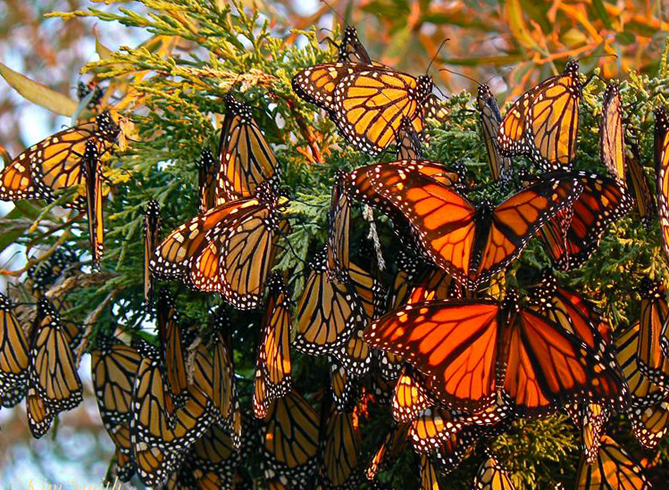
x=366, y=100
x=543, y=123
x=57, y=162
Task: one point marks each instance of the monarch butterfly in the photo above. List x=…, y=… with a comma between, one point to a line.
x=433, y=428
x=172, y=348
x=55, y=163
x=273, y=364
x=207, y=175
x=490, y=119
x=388, y=451
x=338, y=261
x=575, y=314
x=590, y=418
x=612, y=133
x=211, y=461
x=224, y=389
x=612, y=469
x=344, y=387
x=661, y=165
x=45, y=274
x=410, y=397
x=352, y=50
x=156, y=444
x=408, y=142
x=340, y=450
x=642, y=392
x=54, y=384
x=434, y=284
x=246, y=160
x=543, y=123
x=151, y=240
x=14, y=353
x=359, y=187
x=472, y=243
x=428, y=474
x=645, y=202
x=574, y=234
x=493, y=343
x=492, y=475
x=317, y=84
x=327, y=313
x=289, y=438
x=652, y=336
x=113, y=367
x=92, y=91
x=366, y=101
x=92, y=170
x=229, y=249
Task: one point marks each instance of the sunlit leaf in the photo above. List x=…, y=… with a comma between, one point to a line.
x=38, y=93
x=103, y=51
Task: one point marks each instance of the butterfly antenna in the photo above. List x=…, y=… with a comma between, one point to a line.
x=462, y=75
x=332, y=9
x=436, y=54
x=607, y=55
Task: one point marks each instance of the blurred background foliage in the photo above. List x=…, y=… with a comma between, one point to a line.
x=168, y=63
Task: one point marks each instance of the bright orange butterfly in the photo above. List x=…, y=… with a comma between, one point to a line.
x=613, y=469
x=573, y=235
x=472, y=351
x=246, y=159
x=653, y=334
x=471, y=242
x=273, y=364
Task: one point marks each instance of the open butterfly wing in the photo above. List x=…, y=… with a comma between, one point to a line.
x=454, y=345
x=369, y=106
x=518, y=219
x=546, y=367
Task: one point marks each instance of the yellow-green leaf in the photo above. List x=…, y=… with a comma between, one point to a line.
x=103, y=51
x=38, y=93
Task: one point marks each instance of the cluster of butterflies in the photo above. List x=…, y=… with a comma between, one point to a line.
x=455, y=361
